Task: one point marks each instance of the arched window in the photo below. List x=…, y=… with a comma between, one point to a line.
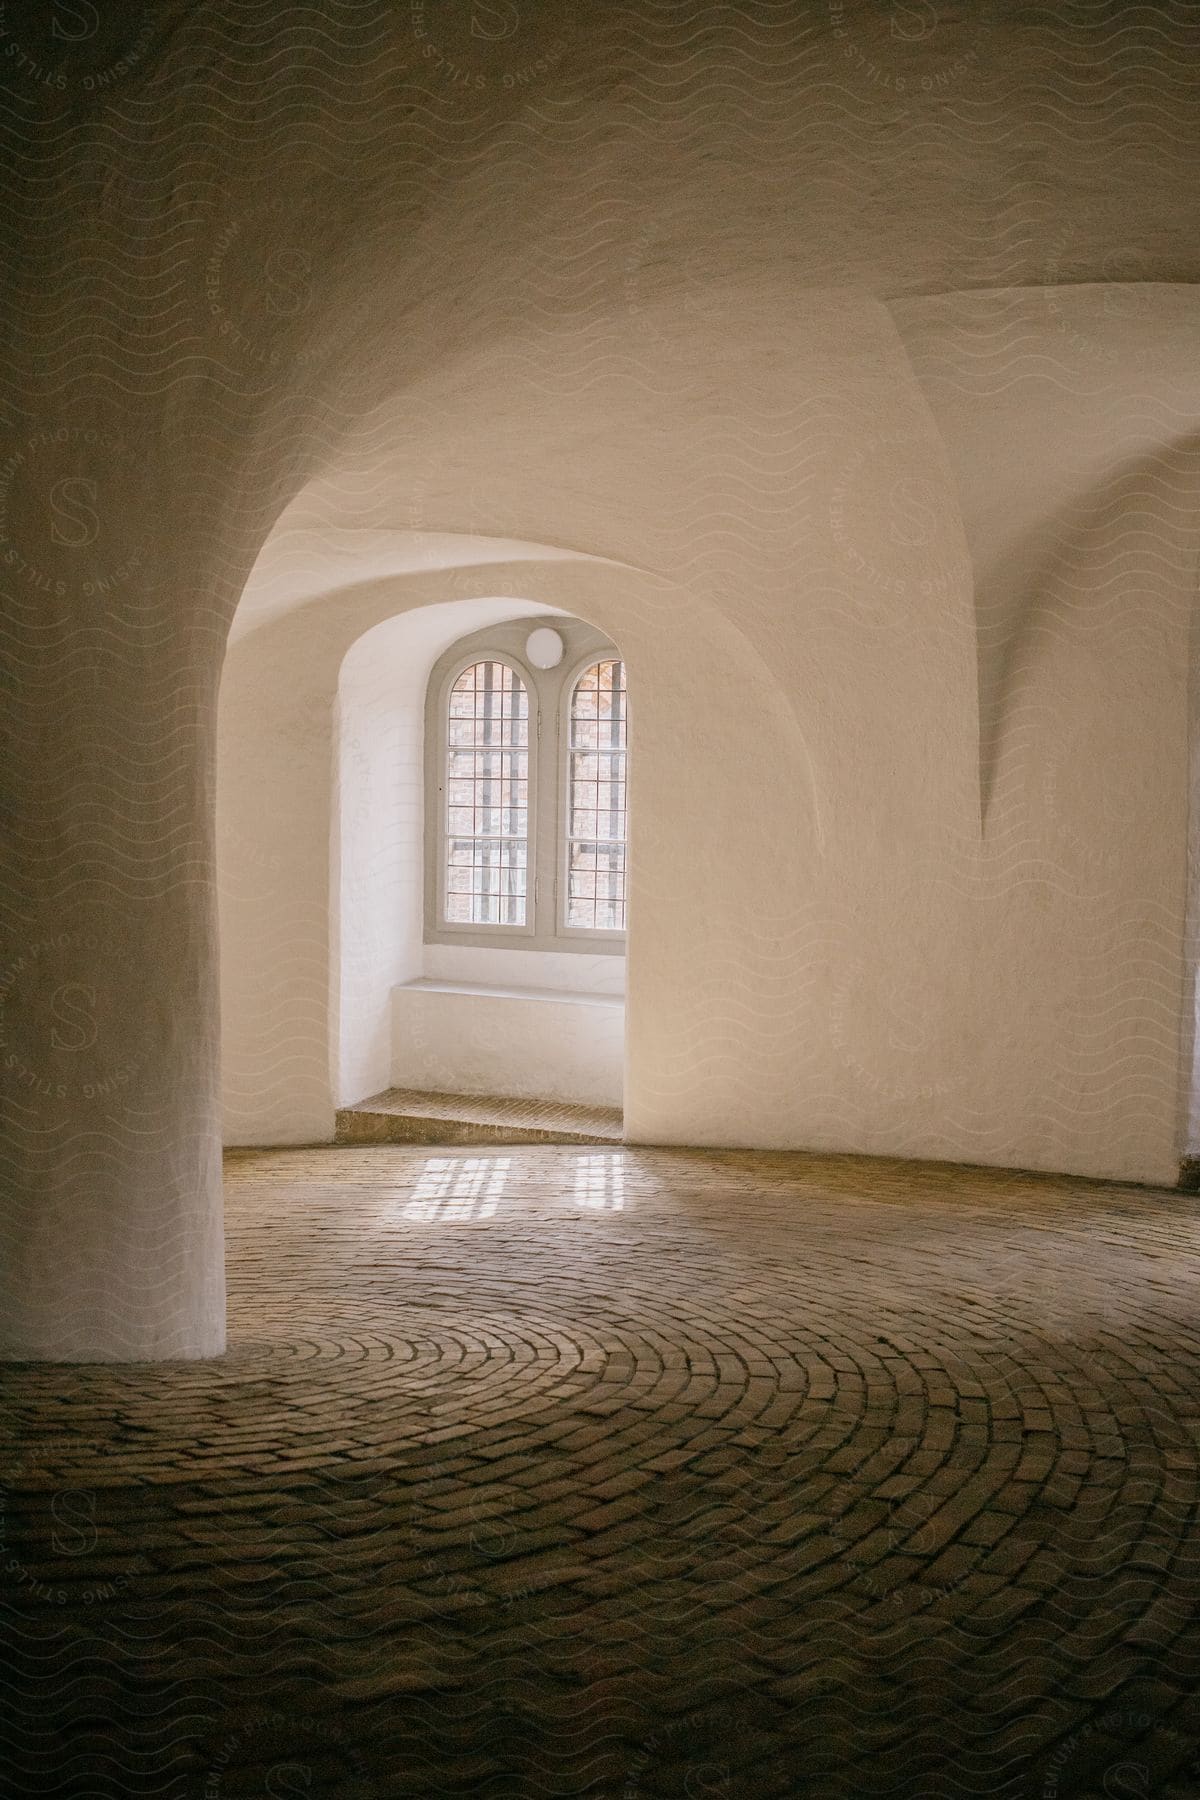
x=487, y=796
x=597, y=751
x=526, y=766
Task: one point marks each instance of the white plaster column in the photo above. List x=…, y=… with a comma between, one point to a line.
x=110, y=1180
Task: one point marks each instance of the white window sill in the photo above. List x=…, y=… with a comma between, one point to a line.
x=494, y=991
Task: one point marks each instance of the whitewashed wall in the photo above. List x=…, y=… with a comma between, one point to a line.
x=910, y=798
x=631, y=292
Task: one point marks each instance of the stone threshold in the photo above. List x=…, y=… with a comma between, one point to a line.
x=410, y=1116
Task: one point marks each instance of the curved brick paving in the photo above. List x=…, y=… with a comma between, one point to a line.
x=555, y=1471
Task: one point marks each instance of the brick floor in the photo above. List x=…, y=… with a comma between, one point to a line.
x=551, y=1471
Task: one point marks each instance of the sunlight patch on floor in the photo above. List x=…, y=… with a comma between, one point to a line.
x=457, y=1188
x=599, y=1181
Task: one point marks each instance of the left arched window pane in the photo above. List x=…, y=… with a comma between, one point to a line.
x=487, y=797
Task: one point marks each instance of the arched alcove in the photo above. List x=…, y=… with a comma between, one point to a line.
x=304, y=1012
x=413, y=1010
x=324, y=705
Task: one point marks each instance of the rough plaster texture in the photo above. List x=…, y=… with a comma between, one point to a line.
x=844, y=376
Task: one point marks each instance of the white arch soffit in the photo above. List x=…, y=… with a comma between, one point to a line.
x=302, y=566
x=299, y=564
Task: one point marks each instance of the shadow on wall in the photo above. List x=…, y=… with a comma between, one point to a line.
x=1043, y=613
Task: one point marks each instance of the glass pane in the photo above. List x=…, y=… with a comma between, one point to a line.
x=487, y=797
x=597, y=814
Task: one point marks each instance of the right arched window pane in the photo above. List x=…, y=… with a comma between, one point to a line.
x=596, y=813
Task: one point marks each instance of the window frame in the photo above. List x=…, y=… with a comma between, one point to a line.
x=549, y=692
x=591, y=934
x=442, y=834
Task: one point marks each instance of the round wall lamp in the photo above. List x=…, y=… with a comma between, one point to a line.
x=544, y=648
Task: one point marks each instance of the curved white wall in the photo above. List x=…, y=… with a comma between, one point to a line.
x=320, y=853
x=641, y=306
x=917, y=883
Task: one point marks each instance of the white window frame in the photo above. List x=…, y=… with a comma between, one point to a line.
x=592, y=934
x=549, y=692
x=495, y=933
